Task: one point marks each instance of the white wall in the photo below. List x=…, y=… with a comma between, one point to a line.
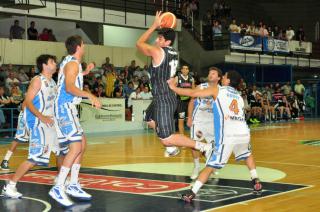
x=25, y=52
x=61, y=29
x=126, y=37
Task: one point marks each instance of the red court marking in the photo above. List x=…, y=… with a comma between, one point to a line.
x=107, y=183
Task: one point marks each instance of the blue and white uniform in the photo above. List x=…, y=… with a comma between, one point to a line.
x=43, y=138
x=202, y=118
x=66, y=114
x=22, y=134
x=232, y=133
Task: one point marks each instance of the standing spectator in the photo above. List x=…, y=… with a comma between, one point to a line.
x=207, y=19
x=286, y=89
x=44, y=36
x=299, y=90
x=131, y=69
x=276, y=32
x=133, y=95
x=3, y=74
x=16, y=31
x=252, y=29
x=300, y=36
x=32, y=32
x=283, y=35
x=263, y=32
x=51, y=36
x=107, y=65
x=146, y=94
x=194, y=9
x=216, y=29
x=110, y=77
x=289, y=33
x=233, y=27
x=270, y=31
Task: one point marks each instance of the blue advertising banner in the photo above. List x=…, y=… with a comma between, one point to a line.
x=246, y=42
x=275, y=45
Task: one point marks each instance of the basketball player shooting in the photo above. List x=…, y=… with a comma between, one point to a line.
x=160, y=113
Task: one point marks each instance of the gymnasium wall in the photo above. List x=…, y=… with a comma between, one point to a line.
x=24, y=52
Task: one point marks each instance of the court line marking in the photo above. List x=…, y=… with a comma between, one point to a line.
x=47, y=204
x=251, y=200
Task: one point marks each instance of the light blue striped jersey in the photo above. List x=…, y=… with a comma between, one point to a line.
x=63, y=96
x=202, y=111
x=229, y=118
x=43, y=101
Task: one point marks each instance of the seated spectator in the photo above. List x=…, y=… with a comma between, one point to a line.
x=32, y=32
x=44, y=36
x=233, y=27
x=16, y=31
x=136, y=82
x=100, y=91
x=97, y=84
x=119, y=91
x=243, y=29
x=3, y=74
x=5, y=102
x=133, y=95
x=16, y=96
x=146, y=94
x=51, y=36
x=86, y=87
x=284, y=106
x=270, y=31
x=267, y=107
x=294, y=105
x=256, y=108
x=12, y=80
x=252, y=30
x=247, y=108
x=32, y=72
x=255, y=91
x=22, y=76
x=128, y=89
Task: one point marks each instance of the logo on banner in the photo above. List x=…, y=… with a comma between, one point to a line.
x=247, y=41
x=271, y=44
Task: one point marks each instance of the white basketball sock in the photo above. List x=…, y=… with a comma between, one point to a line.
x=75, y=173
x=196, y=187
x=64, y=171
x=8, y=155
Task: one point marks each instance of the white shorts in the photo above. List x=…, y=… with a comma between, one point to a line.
x=68, y=126
x=202, y=130
x=222, y=153
x=22, y=134
x=43, y=141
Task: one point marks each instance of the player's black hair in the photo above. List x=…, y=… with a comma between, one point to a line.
x=168, y=34
x=235, y=78
x=43, y=59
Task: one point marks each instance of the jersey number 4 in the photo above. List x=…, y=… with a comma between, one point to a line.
x=173, y=67
x=234, y=106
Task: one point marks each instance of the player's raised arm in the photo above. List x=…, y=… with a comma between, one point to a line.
x=143, y=46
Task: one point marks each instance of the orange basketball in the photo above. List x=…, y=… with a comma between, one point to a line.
x=168, y=20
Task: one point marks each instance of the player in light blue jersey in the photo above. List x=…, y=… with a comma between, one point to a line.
x=70, y=134
x=38, y=116
x=232, y=134
x=200, y=117
x=21, y=136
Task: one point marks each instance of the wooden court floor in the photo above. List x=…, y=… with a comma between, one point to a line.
x=276, y=146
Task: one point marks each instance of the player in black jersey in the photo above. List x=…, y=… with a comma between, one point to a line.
x=160, y=113
x=183, y=80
